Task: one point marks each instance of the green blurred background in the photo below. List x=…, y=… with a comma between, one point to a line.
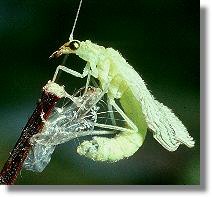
x=159, y=38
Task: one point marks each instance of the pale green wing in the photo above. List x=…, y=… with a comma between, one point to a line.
x=167, y=129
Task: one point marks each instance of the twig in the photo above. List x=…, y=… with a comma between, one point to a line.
x=50, y=95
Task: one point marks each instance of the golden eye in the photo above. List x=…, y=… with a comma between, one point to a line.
x=74, y=45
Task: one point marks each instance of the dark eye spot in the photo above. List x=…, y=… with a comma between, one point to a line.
x=74, y=45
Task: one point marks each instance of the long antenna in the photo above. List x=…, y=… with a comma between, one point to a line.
x=75, y=21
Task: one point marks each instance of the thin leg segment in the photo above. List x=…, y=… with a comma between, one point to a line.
x=117, y=128
x=70, y=71
x=87, y=82
x=111, y=114
x=124, y=116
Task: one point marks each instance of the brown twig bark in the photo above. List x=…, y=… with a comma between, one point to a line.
x=34, y=125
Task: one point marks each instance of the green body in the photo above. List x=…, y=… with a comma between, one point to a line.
x=139, y=107
x=132, y=107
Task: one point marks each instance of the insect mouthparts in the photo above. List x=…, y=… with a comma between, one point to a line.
x=56, y=54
